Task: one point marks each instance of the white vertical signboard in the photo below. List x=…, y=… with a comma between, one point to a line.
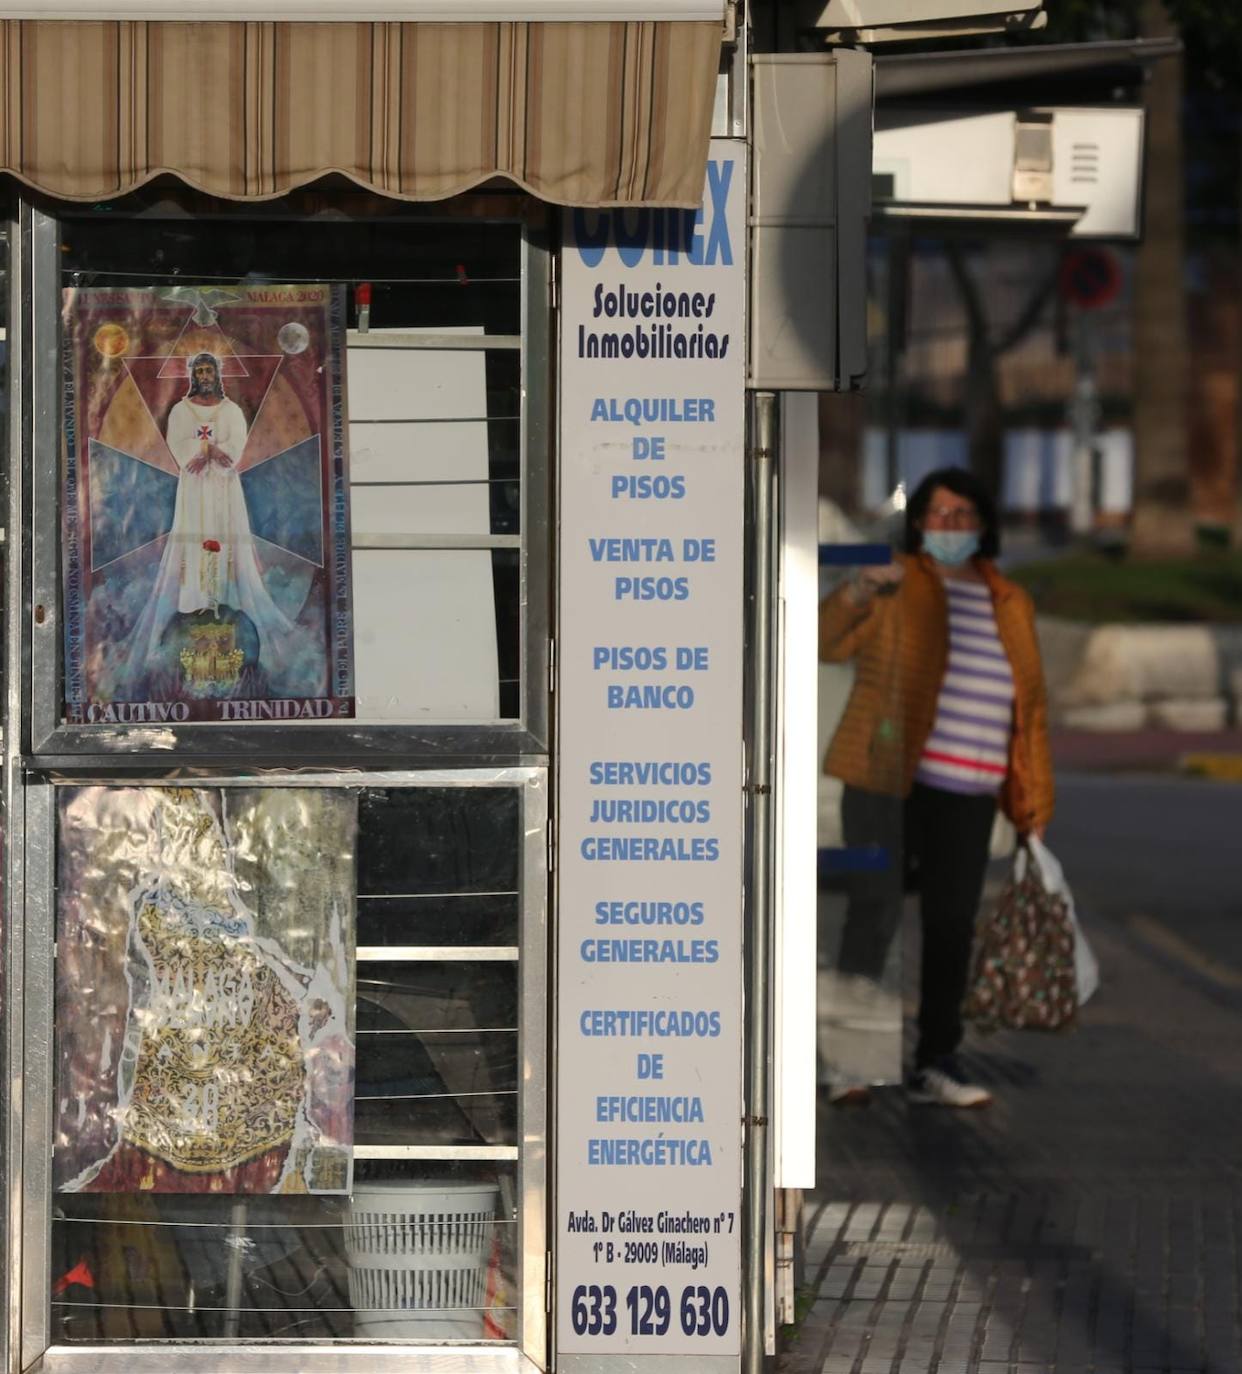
x=649, y=1056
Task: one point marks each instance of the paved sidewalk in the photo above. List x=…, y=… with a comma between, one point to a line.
x=1090, y=1221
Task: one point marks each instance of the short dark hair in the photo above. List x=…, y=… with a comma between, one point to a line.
x=960, y=483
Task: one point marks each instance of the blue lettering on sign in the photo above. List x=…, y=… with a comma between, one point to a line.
x=631, y=229
x=719, y=177
x=669, y=235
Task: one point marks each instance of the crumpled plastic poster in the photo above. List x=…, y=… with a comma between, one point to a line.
x=204, y=990
x=206, y=506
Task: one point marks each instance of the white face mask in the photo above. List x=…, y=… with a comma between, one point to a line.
x=951, y=547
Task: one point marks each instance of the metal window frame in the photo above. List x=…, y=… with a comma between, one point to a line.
x=30, y=1015
x=47, y=742
x=12, y=946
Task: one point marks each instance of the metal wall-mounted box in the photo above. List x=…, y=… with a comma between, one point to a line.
x=810, y=202
x=898, y=21
x=865, y=14
x=1091, y=156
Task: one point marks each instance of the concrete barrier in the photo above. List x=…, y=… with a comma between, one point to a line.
x=1062, y=644
x=1128, y=677
x=1145, y=663
x=1196, y=715
x=1116, y=716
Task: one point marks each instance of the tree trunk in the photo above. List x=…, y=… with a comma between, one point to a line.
x=981, y=401
x=984, y=425
x=984, y=414
x=1237, y=405
x=1163, y=525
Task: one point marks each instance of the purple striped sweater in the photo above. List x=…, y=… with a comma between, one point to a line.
x=968, y=748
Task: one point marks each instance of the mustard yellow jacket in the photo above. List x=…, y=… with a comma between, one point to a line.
x=901, y=644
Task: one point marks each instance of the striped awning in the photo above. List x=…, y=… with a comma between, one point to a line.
x=578, y=113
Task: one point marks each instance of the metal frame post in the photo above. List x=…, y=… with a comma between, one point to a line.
x=764, y=436
x=13, y=825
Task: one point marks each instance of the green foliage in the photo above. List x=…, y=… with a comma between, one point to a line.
x=1210, y=29
x=804, y=1300
x=1097, y=588
x=1212, y=33
x=1085, y=21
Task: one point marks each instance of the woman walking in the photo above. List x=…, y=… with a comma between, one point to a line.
x=947, y=717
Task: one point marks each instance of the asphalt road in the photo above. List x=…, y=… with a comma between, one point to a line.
x=1162, y=857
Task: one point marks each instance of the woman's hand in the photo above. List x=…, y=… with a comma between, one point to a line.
x=877, y=579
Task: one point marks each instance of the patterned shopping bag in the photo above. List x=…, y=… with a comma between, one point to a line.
x=1022, y=972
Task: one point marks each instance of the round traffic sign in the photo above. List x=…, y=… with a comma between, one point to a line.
x=1090, y=277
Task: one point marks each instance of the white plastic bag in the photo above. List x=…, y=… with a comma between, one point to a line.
x=1052, y=877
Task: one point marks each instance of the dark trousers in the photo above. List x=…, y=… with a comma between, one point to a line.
x=937, y=842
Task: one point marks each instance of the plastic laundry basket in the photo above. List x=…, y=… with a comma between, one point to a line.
x=418, y=1253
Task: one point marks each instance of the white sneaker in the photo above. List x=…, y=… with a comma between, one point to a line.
x=943, y=1084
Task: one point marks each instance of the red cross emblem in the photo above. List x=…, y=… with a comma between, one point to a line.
x=206, y=432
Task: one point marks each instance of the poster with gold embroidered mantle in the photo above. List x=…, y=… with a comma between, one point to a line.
x=204, y=1034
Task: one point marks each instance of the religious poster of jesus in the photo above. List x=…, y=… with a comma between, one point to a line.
x=204, y=990
x=206, y=511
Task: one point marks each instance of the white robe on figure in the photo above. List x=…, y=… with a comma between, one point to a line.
x=210, y=505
